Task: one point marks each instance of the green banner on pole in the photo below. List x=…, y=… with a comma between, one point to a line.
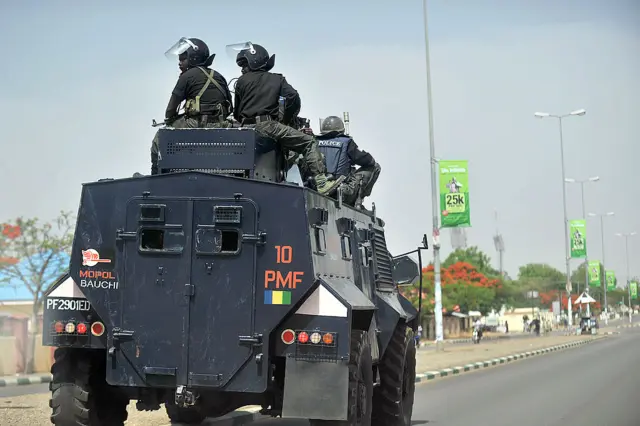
x=634, y=289
x=611, y=280
x=578, y=232
x=454, y=194
x=594, y=273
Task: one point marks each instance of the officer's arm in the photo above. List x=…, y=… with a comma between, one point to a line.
x=238, y=99
x=292, y=99
x=360, y=158
x=225, y=86
x=178, y=95
x=172, y=108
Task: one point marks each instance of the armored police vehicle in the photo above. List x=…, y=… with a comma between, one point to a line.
x=216, y=284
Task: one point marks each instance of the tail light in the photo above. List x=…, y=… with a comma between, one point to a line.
x=310, y=338
x=303, y=337
x=288, y=337
x=97, y=329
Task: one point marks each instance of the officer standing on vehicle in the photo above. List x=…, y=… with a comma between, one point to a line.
x=207, y=96
x=257, y=104
x=341, y=155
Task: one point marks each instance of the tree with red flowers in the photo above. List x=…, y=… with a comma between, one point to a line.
x=33, y=255
x=462, y=287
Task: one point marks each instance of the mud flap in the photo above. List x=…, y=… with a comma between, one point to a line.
x=316, y=390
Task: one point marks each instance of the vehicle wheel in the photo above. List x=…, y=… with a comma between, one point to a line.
x=187, y=415
x=393, y=398
x=360, y=384
x=77, y=385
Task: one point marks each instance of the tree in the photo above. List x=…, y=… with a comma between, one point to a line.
x=473, y=256
x=462, y=285
x=42, y=251
x=540, y=277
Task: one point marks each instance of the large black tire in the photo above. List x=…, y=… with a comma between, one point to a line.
x=393, y=398
x=77, y=385
x=185, y=415
x=360, y=384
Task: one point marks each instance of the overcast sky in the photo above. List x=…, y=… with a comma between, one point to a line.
x=83, y=80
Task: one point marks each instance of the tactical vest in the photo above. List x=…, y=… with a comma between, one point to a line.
x=335, y=154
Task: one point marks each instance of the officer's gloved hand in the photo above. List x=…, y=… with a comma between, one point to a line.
x=307, y=131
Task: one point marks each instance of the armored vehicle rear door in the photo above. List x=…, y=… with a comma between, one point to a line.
x=223, y=273
x=153, y=264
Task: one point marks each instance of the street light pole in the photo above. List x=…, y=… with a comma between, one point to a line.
x=584, y=216
x=626, y=247
x=606, y=305
x=434, y=195
x=579, y=112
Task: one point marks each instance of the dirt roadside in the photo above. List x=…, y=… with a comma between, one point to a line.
x=33, y=410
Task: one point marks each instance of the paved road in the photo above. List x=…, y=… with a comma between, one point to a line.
x=568, y=388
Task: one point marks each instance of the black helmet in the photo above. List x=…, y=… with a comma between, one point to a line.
x=255, y=57
x=332, y=124
x=194, y=50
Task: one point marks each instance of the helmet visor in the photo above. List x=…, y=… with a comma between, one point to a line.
x=179, y=48
x=234, y=49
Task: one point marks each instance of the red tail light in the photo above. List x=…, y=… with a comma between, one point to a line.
x=303, y=337
x=97, y=329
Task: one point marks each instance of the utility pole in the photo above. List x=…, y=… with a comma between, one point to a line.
x=434, y=194
x=579, y=112
x=626, y=247
x=498, y=242
x=606, y=305
x=584, y=216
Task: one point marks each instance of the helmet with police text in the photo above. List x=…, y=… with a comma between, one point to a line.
x=193, y=52
x=254, y=57
x=332, y=124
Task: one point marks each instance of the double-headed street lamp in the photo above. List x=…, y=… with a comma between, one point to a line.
x=601, y=216
x=626, y=247
x=579, y=112
x=584, y=216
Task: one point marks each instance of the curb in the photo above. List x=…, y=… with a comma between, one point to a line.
x=431, y=375
x=29, y=380
x=629, y=326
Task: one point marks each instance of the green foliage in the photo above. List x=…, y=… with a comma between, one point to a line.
x=469, y=298
x=33, y=255
x=473, y=256
x=40, y=250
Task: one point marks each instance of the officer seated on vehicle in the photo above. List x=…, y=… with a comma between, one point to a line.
x=257, y=102
x=341, y=156
x=208, y=100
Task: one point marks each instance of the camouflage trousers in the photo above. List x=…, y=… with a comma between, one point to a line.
x=359, y=184
x=184, y=123
x=294, y=140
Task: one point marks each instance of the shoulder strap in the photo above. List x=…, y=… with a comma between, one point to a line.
x=210, y=79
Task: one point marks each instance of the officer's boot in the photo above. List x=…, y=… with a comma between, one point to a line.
x=325, y=186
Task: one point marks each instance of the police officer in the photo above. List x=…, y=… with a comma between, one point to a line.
x=207, y=96
x=341, y=155
x=257, y=103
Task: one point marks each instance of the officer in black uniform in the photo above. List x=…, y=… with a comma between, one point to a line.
x=341, y=156
x=207, y=96
x=257, y=103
